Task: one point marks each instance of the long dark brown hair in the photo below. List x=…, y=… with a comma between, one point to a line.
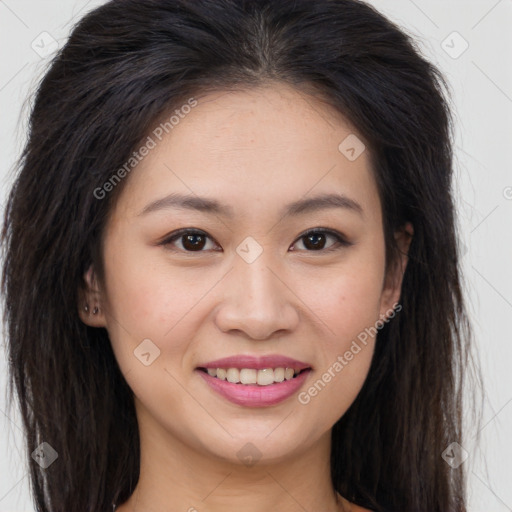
x=125, y=65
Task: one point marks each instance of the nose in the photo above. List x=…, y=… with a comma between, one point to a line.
x=256, y=301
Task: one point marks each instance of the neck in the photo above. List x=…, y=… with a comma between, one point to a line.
x=176, y=476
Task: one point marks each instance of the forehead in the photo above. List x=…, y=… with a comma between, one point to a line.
x=253, y=149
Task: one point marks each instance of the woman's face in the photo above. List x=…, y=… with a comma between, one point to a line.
x=245, y=175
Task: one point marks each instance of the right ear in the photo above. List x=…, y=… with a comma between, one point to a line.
x=90, y=308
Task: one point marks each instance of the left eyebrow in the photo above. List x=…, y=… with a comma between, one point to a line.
x=212, y=206
x=322, y=202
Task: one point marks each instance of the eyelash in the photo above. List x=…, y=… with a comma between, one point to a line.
x=341, y=241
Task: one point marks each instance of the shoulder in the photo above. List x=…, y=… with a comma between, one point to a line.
x=357, y=508
x=352, y=507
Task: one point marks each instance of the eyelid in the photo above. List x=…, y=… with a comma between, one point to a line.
x=341, y=239
x=175, y=235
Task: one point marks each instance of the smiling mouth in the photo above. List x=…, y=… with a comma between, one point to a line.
x=252, y=376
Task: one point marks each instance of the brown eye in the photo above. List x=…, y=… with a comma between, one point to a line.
x=316, y=240
x=190, y=241
x=193, y=242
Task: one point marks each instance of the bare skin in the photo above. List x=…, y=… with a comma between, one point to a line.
x=254, y=151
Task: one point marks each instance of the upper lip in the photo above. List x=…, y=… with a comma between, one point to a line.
x=257, y=362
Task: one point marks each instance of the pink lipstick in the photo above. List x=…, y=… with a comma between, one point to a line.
x=255, y=381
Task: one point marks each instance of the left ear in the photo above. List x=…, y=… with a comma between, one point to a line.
x=393, y=280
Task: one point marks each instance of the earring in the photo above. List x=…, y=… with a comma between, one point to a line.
x=86, y=308
x=95, y=310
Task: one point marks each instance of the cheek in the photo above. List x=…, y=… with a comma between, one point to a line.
x=349, y=306
x=350, y=309
x=144, y=305
x=142, y=297
x=150, y=301
x=350, y=299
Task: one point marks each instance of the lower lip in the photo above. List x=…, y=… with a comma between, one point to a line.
x=250, y=395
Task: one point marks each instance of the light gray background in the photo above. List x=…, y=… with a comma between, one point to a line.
x=481, y=80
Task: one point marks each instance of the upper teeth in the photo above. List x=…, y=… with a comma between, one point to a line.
x=262, y=377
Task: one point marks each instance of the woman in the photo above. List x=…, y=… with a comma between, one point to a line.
x=231, y=271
